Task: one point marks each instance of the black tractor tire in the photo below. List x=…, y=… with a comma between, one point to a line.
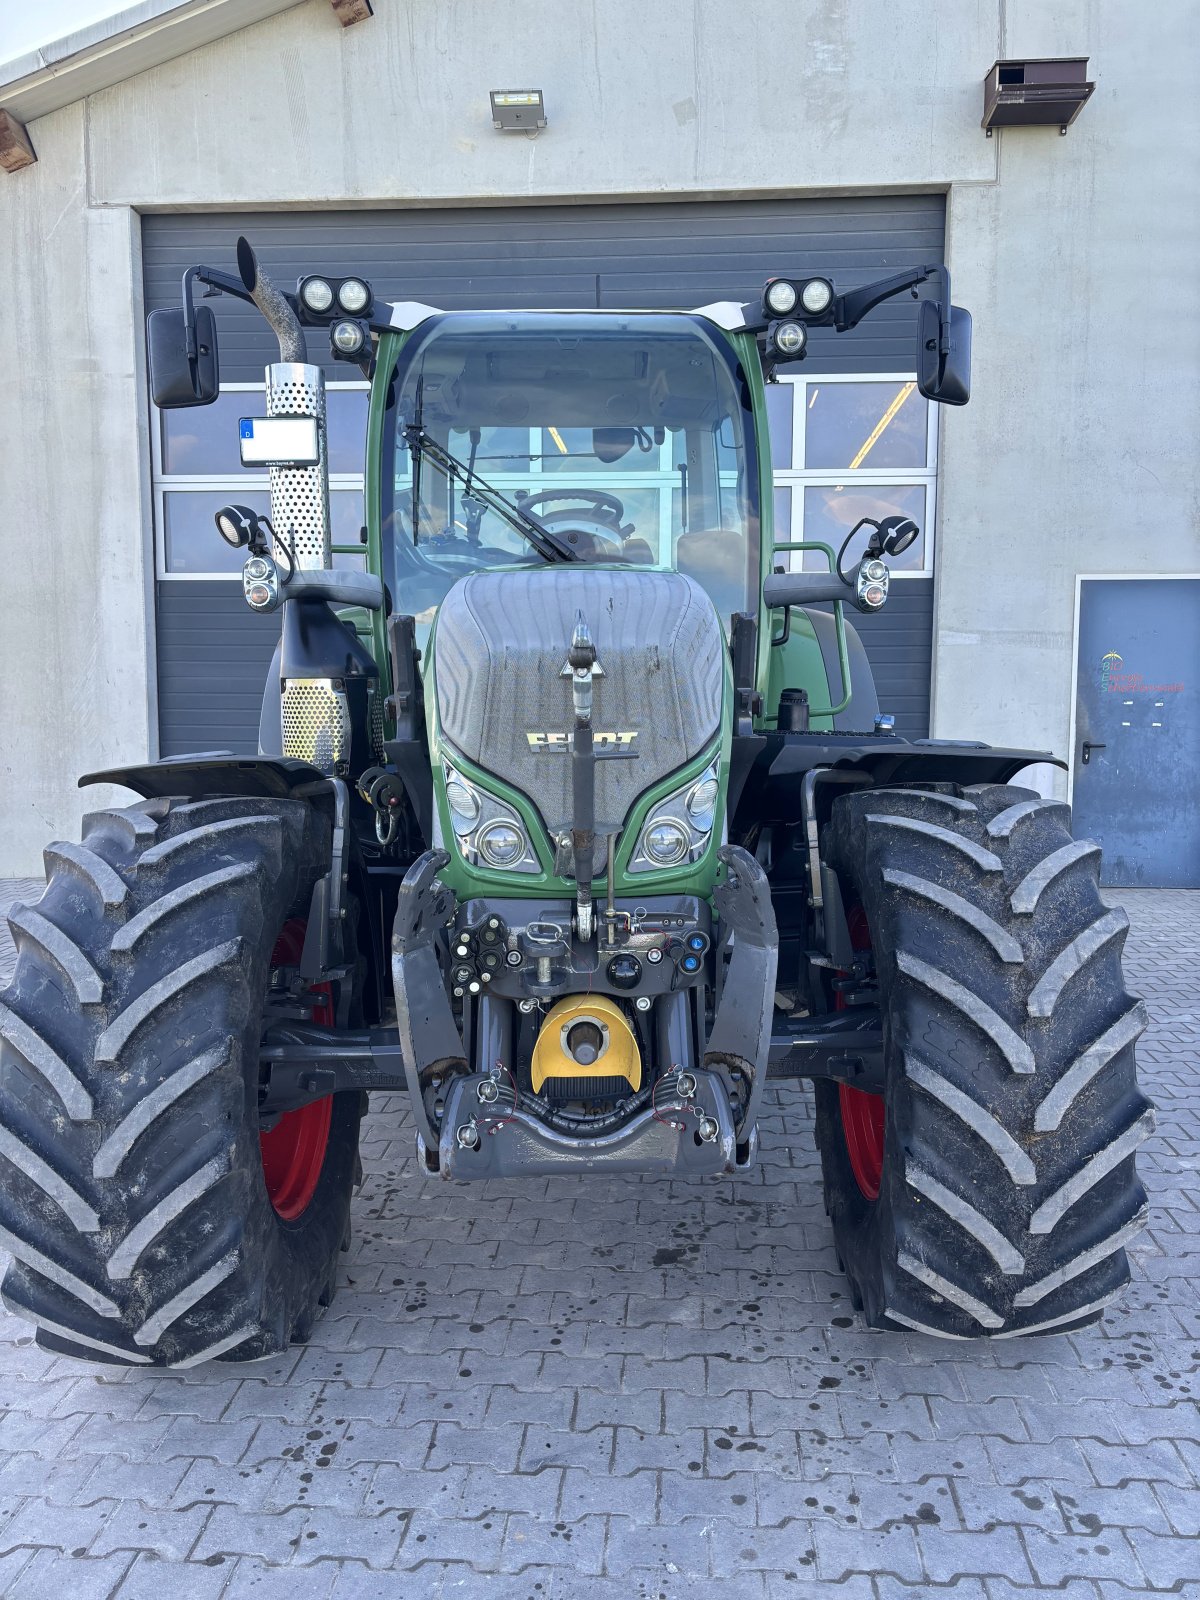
x=132, y=1191
x=1011, y=1111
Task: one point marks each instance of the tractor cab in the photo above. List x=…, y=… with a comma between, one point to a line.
x=624, y=439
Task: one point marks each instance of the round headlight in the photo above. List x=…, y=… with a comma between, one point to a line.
x=816, y=295
x=232, y=529
x=348, y=337
x=701, y=801
x=781, y=297
x=317, y=295
x=501, y=844
x=790, y=338
x=463, y=803
x=875, y=570
x=666, y=842
x=353, y=295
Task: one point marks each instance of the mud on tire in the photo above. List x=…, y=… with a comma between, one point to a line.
x=1012, y=1109
x=132, y=1194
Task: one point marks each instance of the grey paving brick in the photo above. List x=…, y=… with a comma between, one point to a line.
x=274, y=1536
x=50, y=1574
x=152, y=1579
x=842, y=1552
x=1056, y=1557
x=516, y=1387
x=547, y=1539
x=252, y=1578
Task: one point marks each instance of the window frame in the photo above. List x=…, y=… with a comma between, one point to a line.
x=232, y=484
x=797, y=478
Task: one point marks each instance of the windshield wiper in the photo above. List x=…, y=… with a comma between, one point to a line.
x=543, y=539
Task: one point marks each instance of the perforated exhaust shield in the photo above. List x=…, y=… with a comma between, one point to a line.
x=300, y=495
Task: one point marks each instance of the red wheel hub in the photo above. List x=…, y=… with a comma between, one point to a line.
x=862, y=1125
x=293, y=1151
x=862, y=1113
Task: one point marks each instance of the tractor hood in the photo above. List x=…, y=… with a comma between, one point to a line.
x=500, y=646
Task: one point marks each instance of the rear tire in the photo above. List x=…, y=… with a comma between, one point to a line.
x=1008, y=1188
x=132, y=1189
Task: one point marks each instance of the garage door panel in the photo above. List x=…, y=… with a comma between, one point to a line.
x=214, y=653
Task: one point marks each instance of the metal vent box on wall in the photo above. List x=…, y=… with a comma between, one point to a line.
x=1043, y=93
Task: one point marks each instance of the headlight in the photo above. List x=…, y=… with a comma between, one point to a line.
x=487, y=830
x=780, y=297
x=317, y=295
x=501, y=844
x=702, y=801
x=353, y=295
x=789, y=338
x=464, y=805
x=816, y=295
x=666, y=842
x=678, y=830
x=348, y=337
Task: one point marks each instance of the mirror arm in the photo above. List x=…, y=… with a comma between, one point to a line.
x=849, y=309
x=225, y=283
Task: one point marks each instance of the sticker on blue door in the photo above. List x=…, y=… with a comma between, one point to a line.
x=1137, y=729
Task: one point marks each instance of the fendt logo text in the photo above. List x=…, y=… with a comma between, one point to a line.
x=561, y=741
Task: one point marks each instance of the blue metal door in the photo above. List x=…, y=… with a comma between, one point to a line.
x=1137, y=729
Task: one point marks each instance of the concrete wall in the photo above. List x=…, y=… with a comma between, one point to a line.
x=1076, y=255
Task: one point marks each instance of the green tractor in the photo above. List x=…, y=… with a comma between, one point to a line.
x=575, y=816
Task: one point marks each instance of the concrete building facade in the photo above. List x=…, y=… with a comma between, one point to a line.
x=1075, y=253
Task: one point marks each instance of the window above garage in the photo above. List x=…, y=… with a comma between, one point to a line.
x=847, y=446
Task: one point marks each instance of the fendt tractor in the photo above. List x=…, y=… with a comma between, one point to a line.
x=577, y=819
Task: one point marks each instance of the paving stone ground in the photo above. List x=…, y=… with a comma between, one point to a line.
x=641, y=1391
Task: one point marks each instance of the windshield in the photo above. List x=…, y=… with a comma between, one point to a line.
x=625, y=438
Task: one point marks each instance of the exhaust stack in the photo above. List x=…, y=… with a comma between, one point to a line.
x=295, y=388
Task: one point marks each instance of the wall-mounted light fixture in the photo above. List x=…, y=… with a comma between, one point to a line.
x=518, y=110
x=1032, y=94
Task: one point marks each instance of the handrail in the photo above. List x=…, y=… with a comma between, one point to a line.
x=839, y=623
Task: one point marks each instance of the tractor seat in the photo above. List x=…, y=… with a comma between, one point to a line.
x=638, y=552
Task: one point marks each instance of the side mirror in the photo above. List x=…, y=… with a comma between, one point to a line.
x=182, y=347
x=944, y=376
x=180, y=376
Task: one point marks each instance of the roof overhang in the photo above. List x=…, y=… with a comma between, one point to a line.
x=119, y=47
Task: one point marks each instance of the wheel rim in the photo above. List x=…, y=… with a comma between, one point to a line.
x=293, y=1151
x=862, y=1114
x=862, y=1127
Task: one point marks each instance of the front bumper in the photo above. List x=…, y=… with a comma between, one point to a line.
x=481, y=1140
x=443, y=1086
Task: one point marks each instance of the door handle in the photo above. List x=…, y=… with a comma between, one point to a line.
x=1088, y=747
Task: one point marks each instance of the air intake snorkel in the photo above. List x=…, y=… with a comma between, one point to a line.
x=581, y=668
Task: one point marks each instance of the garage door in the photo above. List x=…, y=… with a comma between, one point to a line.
x=213, y=652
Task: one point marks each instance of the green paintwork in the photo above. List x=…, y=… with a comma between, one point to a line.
x=696, y=877
x=796, y=664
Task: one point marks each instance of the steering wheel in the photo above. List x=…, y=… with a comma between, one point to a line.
x=601, y=516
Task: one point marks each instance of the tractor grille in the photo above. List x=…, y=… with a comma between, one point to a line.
x=316, y=723
x=377, y=722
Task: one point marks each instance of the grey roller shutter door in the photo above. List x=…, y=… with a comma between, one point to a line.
x=660, y=255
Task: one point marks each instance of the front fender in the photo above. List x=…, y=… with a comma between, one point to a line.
x=216, y=772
